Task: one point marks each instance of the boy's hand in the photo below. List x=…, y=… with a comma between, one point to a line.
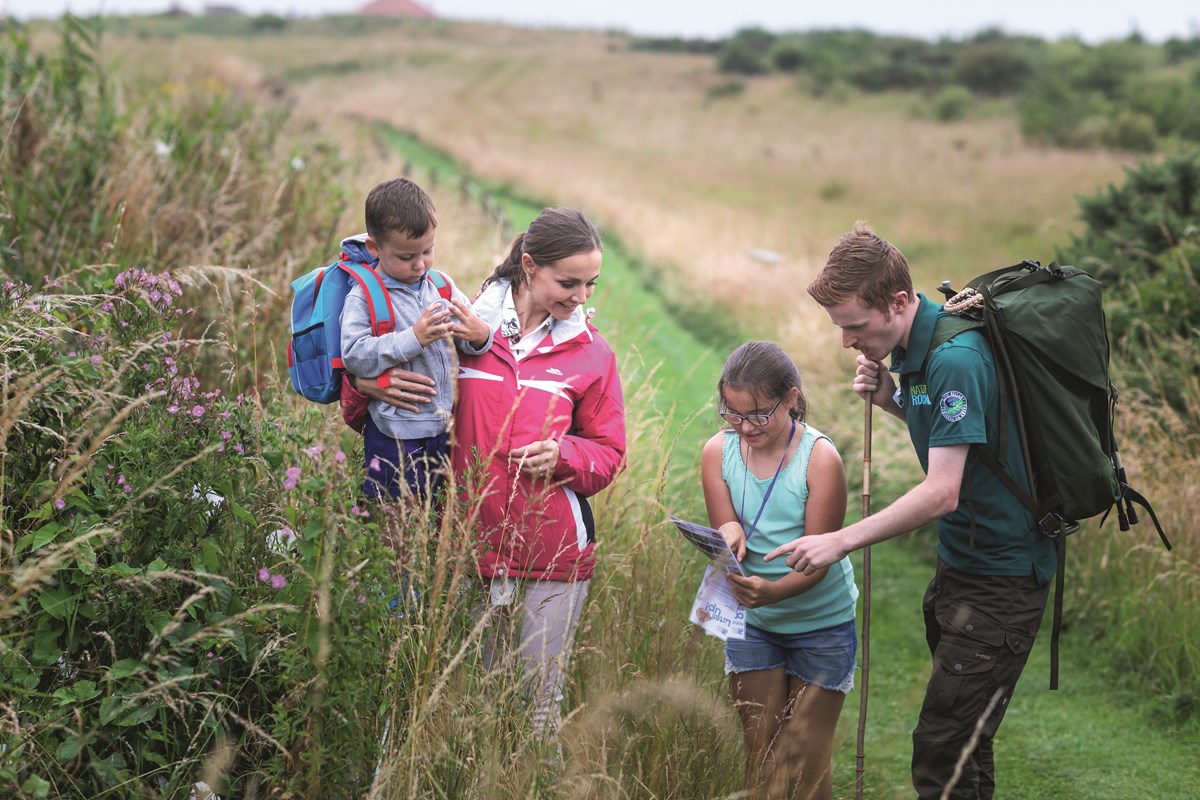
x=435, y=323
x=469, y=326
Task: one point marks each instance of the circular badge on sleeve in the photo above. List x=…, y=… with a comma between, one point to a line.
x=953, y=406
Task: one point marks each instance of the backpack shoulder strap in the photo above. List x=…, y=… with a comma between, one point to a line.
x=947, y=328
x=439, y=280
x=379, y=303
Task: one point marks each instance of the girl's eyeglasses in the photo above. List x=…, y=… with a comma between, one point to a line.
x=753, y=419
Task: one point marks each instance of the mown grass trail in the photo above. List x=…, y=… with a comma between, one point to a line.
x=1094, y=739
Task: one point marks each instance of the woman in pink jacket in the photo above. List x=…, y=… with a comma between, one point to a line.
x=539, y=428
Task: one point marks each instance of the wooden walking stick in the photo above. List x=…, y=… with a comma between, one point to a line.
x=860, y=756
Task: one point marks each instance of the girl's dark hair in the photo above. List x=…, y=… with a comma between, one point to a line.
x=763, y=369
x=557, y=233
x=399, y=206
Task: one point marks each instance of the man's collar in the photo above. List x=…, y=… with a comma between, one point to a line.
x=906, y=360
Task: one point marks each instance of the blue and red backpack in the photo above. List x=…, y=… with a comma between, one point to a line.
x=315, y=349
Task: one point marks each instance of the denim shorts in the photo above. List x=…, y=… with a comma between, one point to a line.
x=823, y=658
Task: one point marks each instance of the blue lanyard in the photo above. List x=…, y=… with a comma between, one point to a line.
x=770, y=486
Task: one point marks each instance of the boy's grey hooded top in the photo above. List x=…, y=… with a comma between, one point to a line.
x=367, y=356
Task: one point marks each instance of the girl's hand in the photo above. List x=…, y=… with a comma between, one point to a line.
x=537, y=459
x=469, y=325
x=435, y=323
x=752, y=591
x=735, y=537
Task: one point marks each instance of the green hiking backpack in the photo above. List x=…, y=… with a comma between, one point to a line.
x=1048, y=336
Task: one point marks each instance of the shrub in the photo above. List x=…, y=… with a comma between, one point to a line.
x=1128, y=130
x=788, y=58
x=1130, y=229
x=951, y=103
x=1141, y=240
x=994, y=67
x=739, y=58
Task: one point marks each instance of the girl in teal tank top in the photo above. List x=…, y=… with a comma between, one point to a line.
x=768, y=479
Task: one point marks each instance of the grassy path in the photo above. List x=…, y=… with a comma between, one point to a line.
x=1090, y=740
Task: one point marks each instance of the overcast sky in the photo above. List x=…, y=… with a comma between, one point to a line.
x=1157, y=20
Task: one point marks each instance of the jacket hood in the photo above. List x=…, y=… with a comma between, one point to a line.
x=355, y=249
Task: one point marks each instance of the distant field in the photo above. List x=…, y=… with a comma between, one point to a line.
x=692, y=182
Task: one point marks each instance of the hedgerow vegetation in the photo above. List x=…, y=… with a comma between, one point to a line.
x=1127, y=94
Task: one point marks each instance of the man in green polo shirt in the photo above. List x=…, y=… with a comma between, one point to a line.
x=985, y=602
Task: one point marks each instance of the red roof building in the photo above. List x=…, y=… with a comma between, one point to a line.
x=395, y=8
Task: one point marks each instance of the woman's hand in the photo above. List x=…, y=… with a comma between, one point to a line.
x=398, y=387
x=468, y=325
x=537, y=459
x=751, y=591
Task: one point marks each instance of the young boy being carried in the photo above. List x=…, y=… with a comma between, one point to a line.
x=406, y=451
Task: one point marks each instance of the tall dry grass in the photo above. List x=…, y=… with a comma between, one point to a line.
x=645, y=691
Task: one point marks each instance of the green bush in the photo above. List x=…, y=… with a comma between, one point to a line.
x=1130, y=229
x=951, y=104
x=1128, y=130
x=1142, y=239
x=995, y=67
x=788, y=57
x=739, y=58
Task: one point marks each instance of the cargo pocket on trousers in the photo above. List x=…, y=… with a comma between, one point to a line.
x=960, y=667
x=965, y=656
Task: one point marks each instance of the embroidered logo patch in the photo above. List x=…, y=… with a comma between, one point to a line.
x=918, y=394
x=953, y=406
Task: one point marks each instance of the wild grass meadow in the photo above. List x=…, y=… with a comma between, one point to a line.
x=192, y=591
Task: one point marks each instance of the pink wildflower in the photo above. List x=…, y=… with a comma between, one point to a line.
x=264, y=574
x=278, y=582
x=290, y=477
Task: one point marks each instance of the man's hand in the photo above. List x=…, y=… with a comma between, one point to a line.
x=809, y=553
x=871, y=379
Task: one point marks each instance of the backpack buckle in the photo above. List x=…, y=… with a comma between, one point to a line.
x=1054, y=525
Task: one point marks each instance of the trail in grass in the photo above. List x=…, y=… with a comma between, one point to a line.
x=1090, y=740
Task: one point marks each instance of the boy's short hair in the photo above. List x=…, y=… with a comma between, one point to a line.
x=399, y=206
x=864, y=265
